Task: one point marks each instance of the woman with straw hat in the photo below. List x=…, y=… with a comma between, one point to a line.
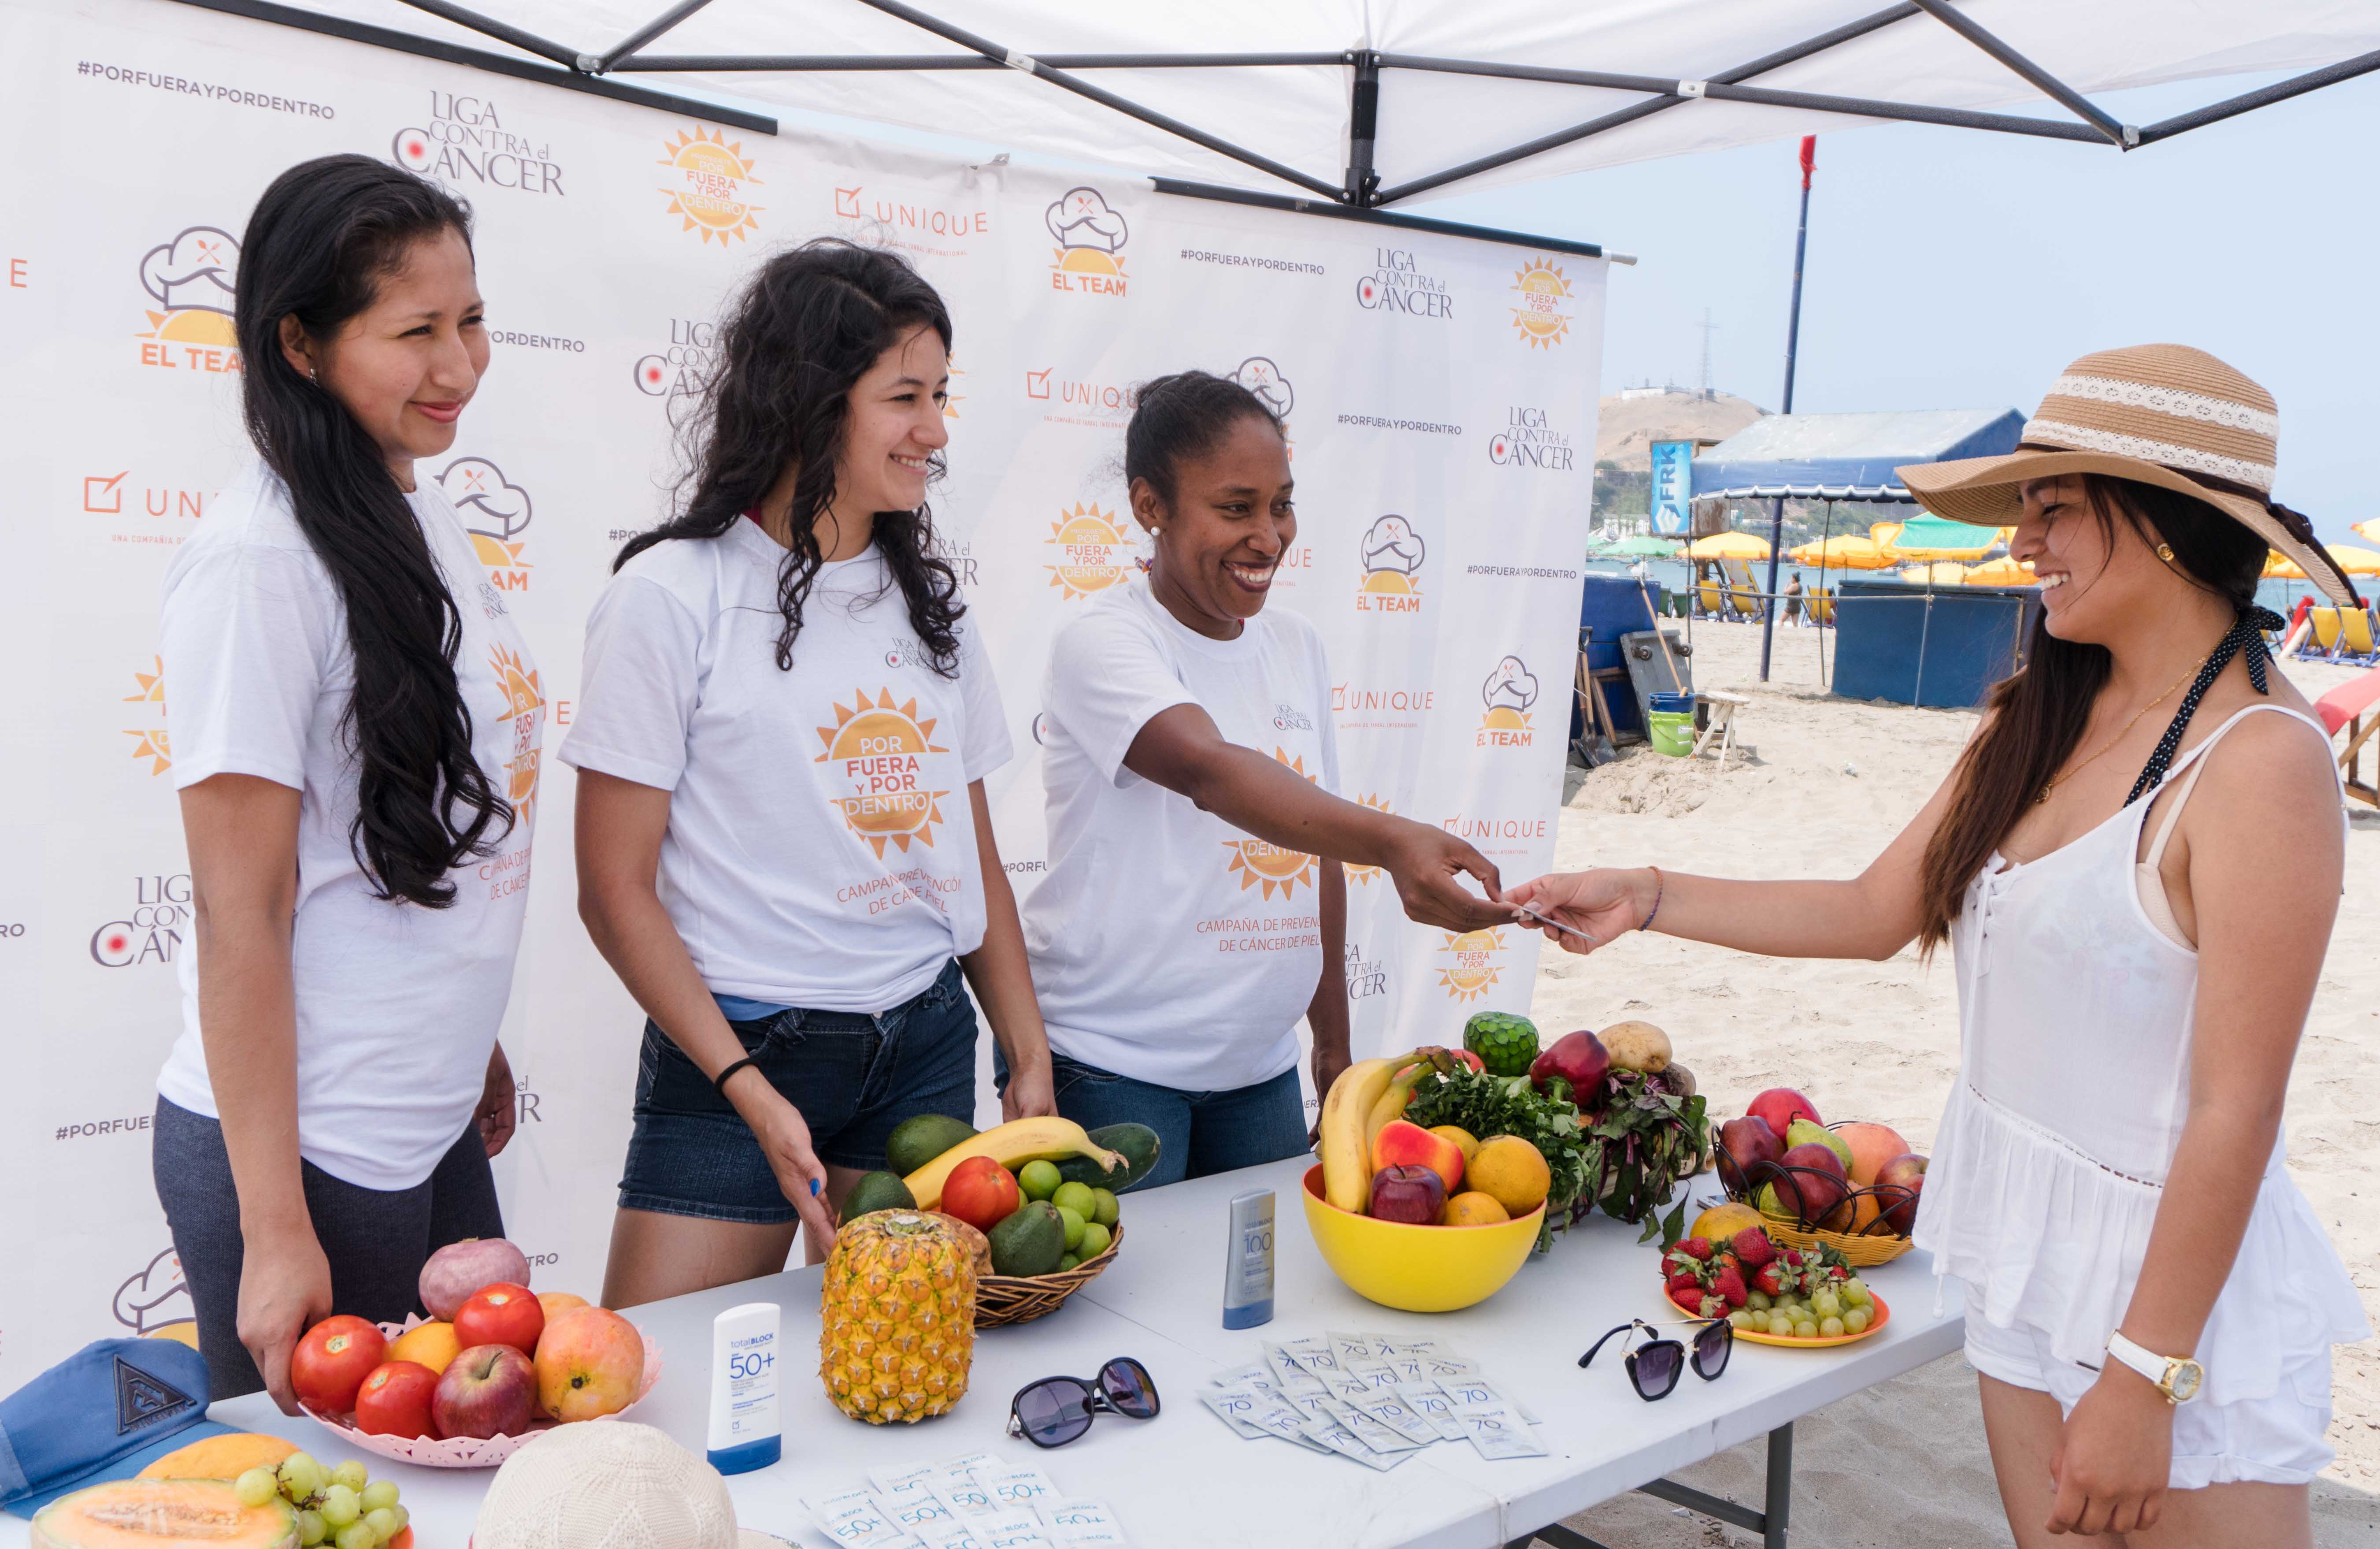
x=2150, y=1302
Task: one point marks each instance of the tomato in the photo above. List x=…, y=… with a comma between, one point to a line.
x=1467, y=1057
x=333, y=1359
x=395, y=1401
x=981, y=1193
x=500, y=1314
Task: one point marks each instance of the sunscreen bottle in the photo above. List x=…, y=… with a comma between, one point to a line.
x=744, y=1431
x=1248, y=1264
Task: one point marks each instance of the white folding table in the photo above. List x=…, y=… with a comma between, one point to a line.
x=1182, y=1481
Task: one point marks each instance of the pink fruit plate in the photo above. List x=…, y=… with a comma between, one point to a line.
x=467, y=1452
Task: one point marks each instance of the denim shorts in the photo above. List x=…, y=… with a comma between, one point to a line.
x=1198, y=1133
x=853, y=1075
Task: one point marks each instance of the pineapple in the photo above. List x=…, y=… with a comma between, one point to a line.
x=896, y=1317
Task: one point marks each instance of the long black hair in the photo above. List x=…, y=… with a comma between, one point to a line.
x=807, y=327
x=1185, y=415
x=2038, y=715
x=321, y=240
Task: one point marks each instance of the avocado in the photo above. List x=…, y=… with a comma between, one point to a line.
x=876, y=1191
x=1030, y=1241
x=918, y=1139
x=1136, y=1141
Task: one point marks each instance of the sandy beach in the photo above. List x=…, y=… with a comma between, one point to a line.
x=1824, y=783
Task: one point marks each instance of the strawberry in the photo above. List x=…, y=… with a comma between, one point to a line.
x=1714, y=1305
x=1794, y=1257
x=1695, y=1248
x=1684, y=1284
x=1753, y=1249
x=1771, y=1280
x=1690, y=1301
x=1729, y=1285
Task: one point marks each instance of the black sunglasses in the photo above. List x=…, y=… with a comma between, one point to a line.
x=1654, y=1366
x=1056, y=1410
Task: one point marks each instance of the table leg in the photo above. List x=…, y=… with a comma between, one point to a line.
x=1768, y=1522
x=1779, y=1503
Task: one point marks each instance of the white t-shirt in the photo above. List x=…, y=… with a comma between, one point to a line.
x=1168, y=946
x=397, y=1004
x=820, y=849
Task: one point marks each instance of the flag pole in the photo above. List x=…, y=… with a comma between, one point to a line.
x=1793, y=346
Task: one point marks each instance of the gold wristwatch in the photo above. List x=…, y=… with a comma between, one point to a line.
x=2178, y=1377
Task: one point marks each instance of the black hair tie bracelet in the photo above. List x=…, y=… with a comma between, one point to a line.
x=719, y=1082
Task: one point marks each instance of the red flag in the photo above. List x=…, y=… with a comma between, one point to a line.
x=1809, y=159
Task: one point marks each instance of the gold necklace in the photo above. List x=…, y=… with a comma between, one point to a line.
x=2060, y=778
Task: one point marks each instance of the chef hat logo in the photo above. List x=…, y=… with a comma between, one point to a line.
x=1391, y=544
x=196, y=270
x=1260, y=376
x=1081, y=218
x=156, y=1296
x=1511, y=686
x=489, y=504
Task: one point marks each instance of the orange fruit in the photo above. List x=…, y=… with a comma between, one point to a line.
x=432, y=1345
x=1722, y=1222
x=1471, y=1208
x=1509, y=1170
x=1464, y=1139
x=558, y=1301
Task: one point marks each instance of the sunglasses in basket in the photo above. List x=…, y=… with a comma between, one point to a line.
x=1654, y=1366
x=1056, y=1410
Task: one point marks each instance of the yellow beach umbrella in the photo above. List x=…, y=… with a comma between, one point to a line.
x=1942, y=572
x=1845, y=552
x=2280, y=566
x=2355, y=561
x=2002, y=571
x=1882, y=533
x=1727, y=545
x=2370, y=529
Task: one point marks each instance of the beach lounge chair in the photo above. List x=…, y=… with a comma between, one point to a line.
x=1743, y=591
x=1822, y=607
x=2355, y=637
x=2325, y=642
x=2352, y=706
x=1707, y=601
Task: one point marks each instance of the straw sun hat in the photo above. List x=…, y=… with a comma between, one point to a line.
x=613, y=1484
x=2162, y=414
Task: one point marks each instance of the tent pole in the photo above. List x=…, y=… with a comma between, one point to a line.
x=2248, y=101
x=647, y=34
x=2049, y=85
x=1792, y=347
x=1363, y=129
x=528, y=43
x=1226, y=194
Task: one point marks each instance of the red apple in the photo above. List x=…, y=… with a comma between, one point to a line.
x=460, y=1268
x=1780, y=1107
x=489, y=1390
x=1400, y=1143
x=590, y=1362
x=1743, y=1143
x=1817, y=1192
x=333, y=1359
x=395, y=1399
x=1898, y=1184
x=1578, y=1058
x=1413, y=1195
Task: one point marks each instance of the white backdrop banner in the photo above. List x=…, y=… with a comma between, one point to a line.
x=1440, y=395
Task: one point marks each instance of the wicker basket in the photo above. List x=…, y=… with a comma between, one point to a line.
x=1863, y=1251
x=1002, y=1299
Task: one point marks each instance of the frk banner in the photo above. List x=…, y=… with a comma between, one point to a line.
x=1439, y=394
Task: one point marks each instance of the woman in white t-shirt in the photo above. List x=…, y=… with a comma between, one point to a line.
x=355, y=728
x=1195, y=905
x=781, y=735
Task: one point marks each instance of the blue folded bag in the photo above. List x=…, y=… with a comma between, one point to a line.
x=105, y=1412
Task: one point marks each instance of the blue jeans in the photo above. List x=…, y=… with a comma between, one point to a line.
x=1197, y=1132
x=854, y=1076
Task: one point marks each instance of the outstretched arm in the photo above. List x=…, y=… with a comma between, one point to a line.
x=1181, y=750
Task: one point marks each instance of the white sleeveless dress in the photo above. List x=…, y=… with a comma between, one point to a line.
x=2075, y=1010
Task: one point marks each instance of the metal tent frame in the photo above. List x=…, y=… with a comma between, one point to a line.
x=1358, y=193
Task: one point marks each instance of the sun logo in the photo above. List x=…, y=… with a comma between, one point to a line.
x=525, y=705
x=881, y=749
x=153, y=744
x=1476, y=966
x=1538, y=315
x=1090, y=235
x=951, y=400
x=1365, y=873
x=1092, y=554
x=711, y=175
x=1262, y=863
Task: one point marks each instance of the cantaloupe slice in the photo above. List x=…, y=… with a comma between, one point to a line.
x=222, y=1456
x=164, y=1514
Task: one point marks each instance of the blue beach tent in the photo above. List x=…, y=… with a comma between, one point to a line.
x=1847, y=456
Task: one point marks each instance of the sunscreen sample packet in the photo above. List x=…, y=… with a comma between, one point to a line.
x=1370, y=1431
x=1377, y=1374
x=953, y=1535
x=1019, y=1484
x=1315, y=1355
x=1497, y=1433
x=1389, y=1408
x=1082, y=1525
x=1337, y=1438
x=1011, y=1530
x=853, y=1521
x=1352, y=1347
x=1236, y=1406
x=1430, y=1401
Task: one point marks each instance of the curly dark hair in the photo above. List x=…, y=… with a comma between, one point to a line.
x=808, y=326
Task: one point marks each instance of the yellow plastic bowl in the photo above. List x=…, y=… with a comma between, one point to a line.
x=1417, y=1269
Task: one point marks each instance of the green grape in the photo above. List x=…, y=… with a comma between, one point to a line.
x=357, y=1535
x=1827, y=1304
x=1831, y=1329
x=1741, y=1317
x=340, y=1507
x=351, y=1474
x=1805, y=1329
x=311, y=1529
x=402, y=1516
x=300, y=1476
x=1757, y=1302
x=383, y=1523
x=378, y=1493
x=1856, y=1295
x=1856, y=1321
x=257, y=1486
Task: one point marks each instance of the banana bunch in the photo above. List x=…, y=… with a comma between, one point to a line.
x=1360, y=1103
x=1011, y=1145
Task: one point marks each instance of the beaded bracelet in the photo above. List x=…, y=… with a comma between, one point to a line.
x=1659, y=887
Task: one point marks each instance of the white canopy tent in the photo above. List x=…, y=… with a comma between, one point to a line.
x=1369, y=104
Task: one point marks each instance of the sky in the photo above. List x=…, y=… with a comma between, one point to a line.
x=1953, y=269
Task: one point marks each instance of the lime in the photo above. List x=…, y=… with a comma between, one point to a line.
x=1075, y=1196
x=1068, y=1263
x=1038, y=1180
x=1103, y=1207
x=1074, y=1221
x=1096, y=1238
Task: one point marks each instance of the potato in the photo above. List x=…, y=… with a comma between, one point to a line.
x=1638, y=1046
